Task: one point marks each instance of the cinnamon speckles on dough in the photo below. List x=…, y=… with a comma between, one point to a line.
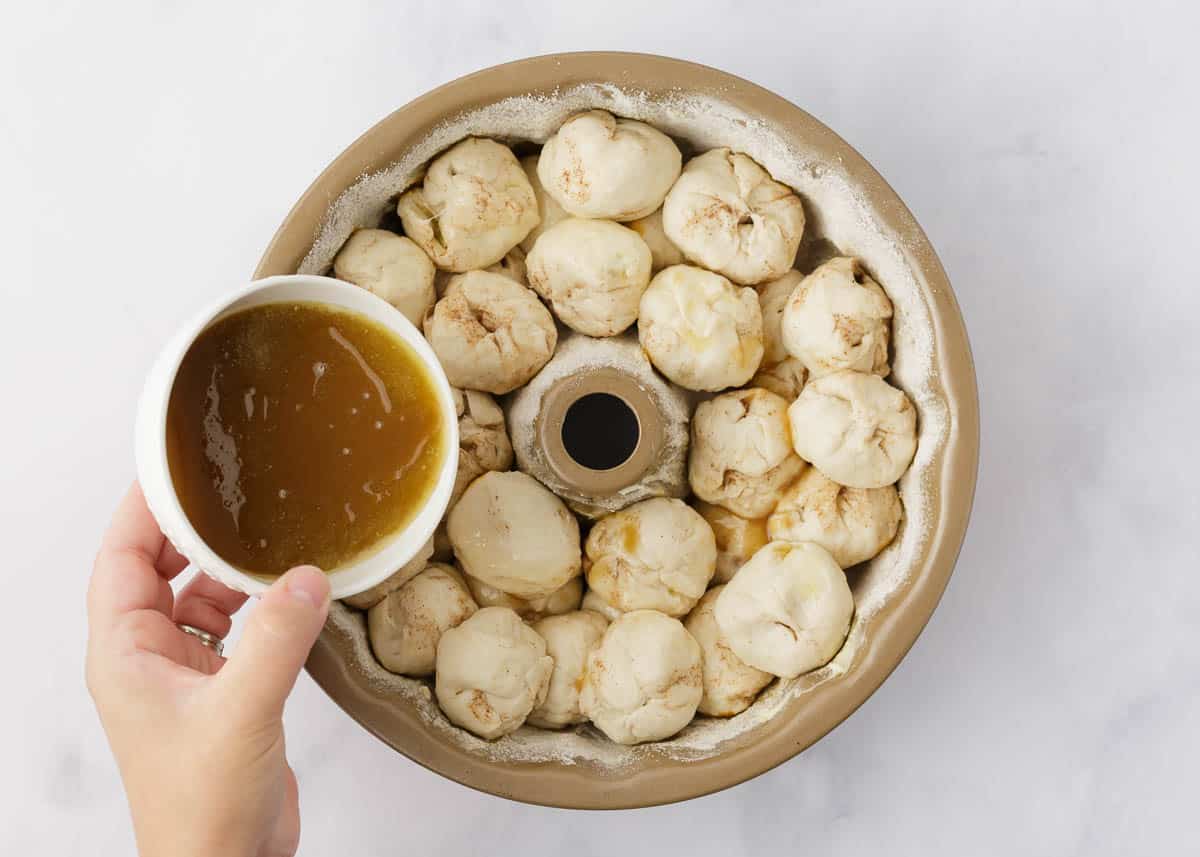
x=492, y=671
x=592, y=273
x=658, y=554
x=741, y=455
x=853, y=524
x=726, y=213
x=490, y=333
x=788, y=610
x=855, y=428
x=511, y=533
x=700, y=330
x=474, y=205
x=601, y=166
x=390, y=266
x=838, y=318
x=643, y=681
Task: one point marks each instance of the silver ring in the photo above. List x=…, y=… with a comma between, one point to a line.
x=205, y=638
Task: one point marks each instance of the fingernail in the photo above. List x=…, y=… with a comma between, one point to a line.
x=307, y=583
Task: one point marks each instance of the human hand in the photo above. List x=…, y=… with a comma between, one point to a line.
x=198, y=739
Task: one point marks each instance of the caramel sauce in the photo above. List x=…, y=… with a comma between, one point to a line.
x=299, y=433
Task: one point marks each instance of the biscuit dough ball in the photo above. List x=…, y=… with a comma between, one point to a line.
x=853, y=524
x=474, y=205
x=490, y=333
x=730, y=684
x=663, y=254
x=741, y=454
x=643, y=682
x=548, y=208
x=599, y=166
x=658, y=554
x=592, y=601
x=838, y=318
x=442, y=550
x=390, y=266
x=405, y=627
x=700, y=330
x=737, y=538
x=370, y=597
x=570, y=638
x=562, y=600
x=727, y=214
x=511, y=533
x=492, y=670
x=483, y=443
x=788, y=610
x=855, y=428
x=592, y=272
x=780, y=372
x=511, y=266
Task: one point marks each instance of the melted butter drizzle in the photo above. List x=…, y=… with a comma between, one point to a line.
x=220, y=449
x=384, y=399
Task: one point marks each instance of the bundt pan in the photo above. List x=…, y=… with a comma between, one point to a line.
x=851, y=210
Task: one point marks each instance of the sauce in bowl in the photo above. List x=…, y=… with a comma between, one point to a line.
x=300, y=433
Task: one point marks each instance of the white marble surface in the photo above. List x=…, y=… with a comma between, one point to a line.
x=148, y=150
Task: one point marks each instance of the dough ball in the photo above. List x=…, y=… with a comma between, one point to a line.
x=838, y=318
x=785, y=378
x=490, y=333
x=510, y=532
x=390, y=266
x=370, y=597
x=548, y=208
x=492, y=670
x=737, y=538
x=405, y=627
x=511, y=266
x=643, y=682
x=592, y=272
x=855, y=428
x=788, y=610
x=599, y=166
x=570, y=638
x=741, y=454
x=442, y=549
x=700, y=330
x=474, y=205
x=483, y=443
x=663, y=254
x=853, y=524
x=727, y=214
x=730, y=684
x=780, y=372
x=592, y=601
x=562, y=600
x=658, y=554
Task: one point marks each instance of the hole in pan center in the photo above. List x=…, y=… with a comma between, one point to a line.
x=600, y=431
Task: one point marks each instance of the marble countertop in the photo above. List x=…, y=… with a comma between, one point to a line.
x=1051, y=707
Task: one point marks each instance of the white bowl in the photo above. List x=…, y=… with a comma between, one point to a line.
x=151, y=435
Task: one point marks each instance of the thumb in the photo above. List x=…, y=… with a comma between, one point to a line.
x=275, y=643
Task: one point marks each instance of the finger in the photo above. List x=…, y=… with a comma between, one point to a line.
x=286, y=838
x=170, y=562
x=207, y=604
x=274, y=645
x=124, y=577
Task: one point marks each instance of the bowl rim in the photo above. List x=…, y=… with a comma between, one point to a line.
x=953, y=474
